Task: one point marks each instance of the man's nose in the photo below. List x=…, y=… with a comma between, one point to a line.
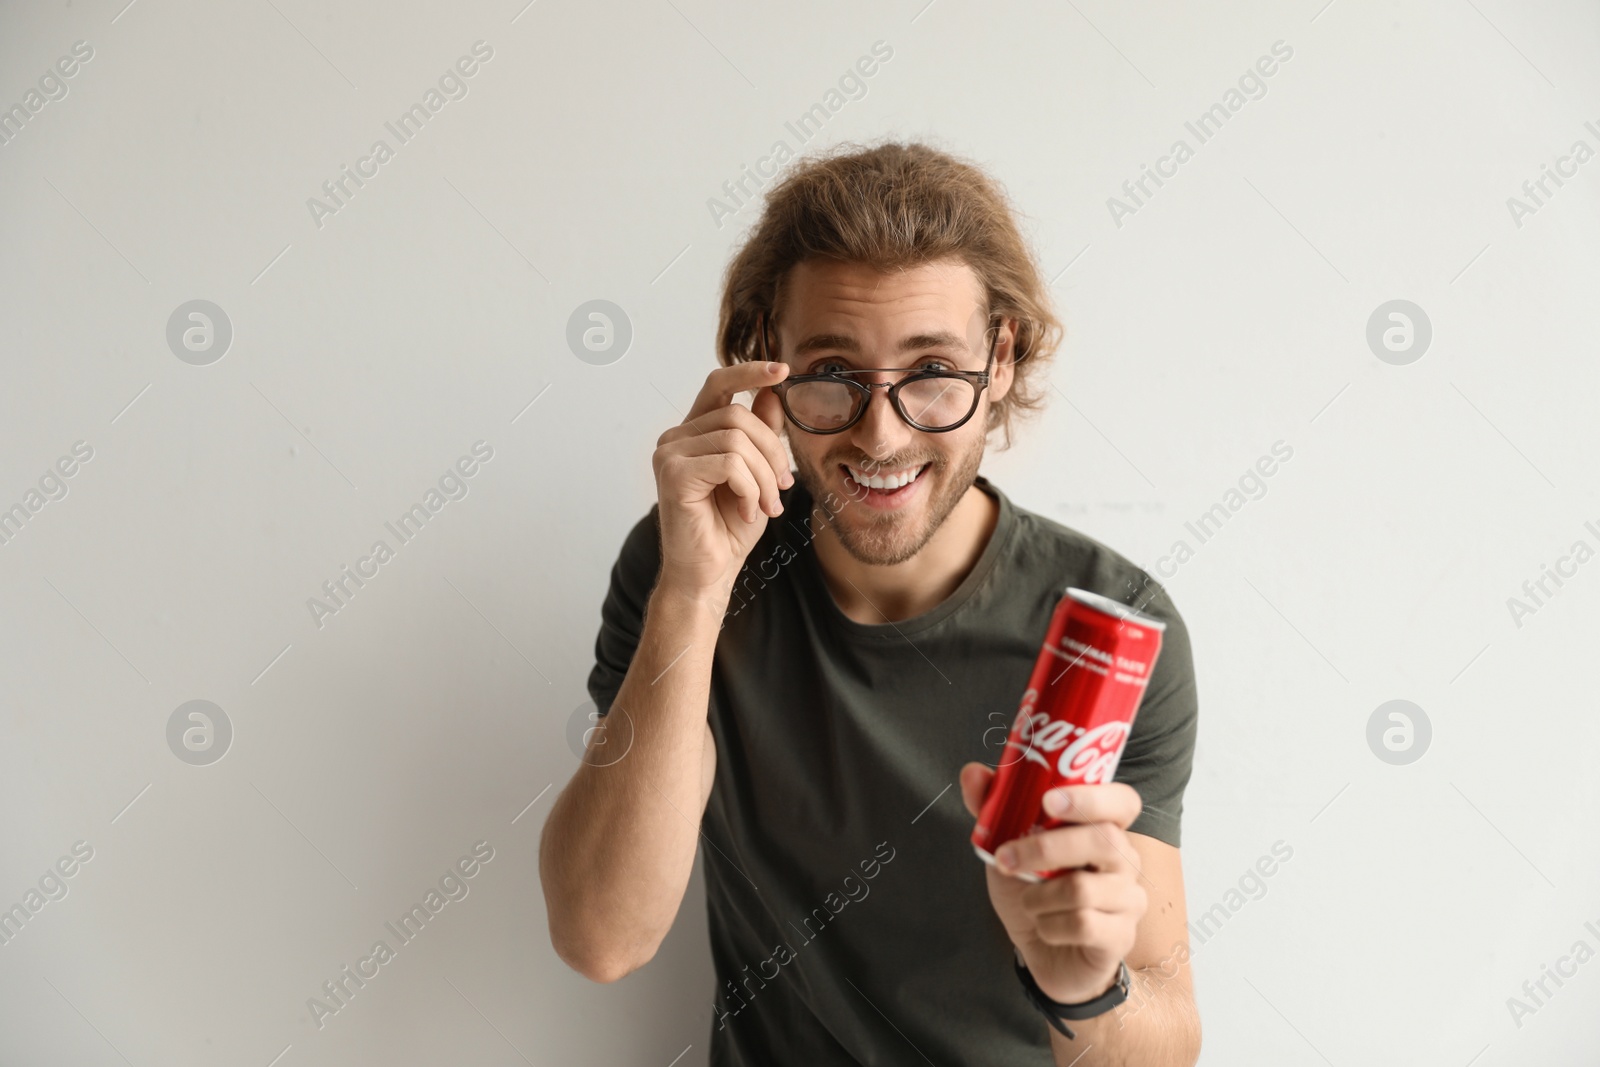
x=881, y=431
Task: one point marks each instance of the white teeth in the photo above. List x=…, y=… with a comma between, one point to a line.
x=897, y=480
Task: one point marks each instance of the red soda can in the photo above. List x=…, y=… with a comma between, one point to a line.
x=1075, y=716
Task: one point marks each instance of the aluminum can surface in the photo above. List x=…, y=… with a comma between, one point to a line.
x=1075, y=718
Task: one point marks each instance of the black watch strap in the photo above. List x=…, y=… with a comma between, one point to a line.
x=1054, y=1011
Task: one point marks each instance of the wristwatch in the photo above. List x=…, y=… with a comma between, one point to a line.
x=1054, y=1011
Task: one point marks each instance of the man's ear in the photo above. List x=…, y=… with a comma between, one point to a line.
x=1004, y=360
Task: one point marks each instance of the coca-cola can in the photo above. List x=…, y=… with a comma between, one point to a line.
x=1075, y=717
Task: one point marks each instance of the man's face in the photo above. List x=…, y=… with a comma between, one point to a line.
x=871, y=318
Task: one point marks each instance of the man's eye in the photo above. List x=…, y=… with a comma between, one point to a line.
x=831, y=366
x=934, y=364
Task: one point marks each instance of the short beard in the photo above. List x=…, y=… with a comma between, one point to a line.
x=884, y=543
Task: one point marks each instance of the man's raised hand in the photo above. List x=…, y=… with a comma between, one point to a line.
x=718, y=474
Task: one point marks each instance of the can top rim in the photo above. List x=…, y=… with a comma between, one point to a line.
x=1115, y=608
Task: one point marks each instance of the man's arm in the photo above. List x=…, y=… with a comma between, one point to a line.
x=1158, y=1025
x=619, y=844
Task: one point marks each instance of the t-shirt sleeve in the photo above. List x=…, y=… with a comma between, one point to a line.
x=1160, y=752
x=633, y=575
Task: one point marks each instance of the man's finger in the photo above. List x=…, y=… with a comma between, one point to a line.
x=1080, y=926
x=1101, y=890
x=736, y=417
x=724, y=383
x=1094, y=845
x=1114, y=802
x=975, y=779
x=737, y=443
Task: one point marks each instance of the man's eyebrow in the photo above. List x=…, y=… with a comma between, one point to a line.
x=940, y=339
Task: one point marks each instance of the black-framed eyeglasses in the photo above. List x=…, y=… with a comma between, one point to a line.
x=933, y=401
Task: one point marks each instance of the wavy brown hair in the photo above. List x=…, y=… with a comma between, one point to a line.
x=891, y=207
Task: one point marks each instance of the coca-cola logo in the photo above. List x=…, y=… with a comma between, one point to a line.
x=1092, y=758
x=1087, y=757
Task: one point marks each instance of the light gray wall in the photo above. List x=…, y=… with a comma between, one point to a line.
x=371, y=348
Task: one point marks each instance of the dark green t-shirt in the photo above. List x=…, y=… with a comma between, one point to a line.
x=850, y=920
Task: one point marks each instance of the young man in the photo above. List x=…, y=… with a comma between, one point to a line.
x=798, y=667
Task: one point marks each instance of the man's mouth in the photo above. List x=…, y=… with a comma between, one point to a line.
x=881, y=488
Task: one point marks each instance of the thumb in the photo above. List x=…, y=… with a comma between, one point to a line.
x=975, y=780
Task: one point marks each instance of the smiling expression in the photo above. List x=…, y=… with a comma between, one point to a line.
x=899, y=483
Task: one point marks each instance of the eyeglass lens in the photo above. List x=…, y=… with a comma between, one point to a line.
x=932, y=402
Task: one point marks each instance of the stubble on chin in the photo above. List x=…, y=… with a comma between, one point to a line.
x=883, y=539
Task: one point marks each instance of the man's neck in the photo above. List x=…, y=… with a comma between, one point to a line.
x=874, y=594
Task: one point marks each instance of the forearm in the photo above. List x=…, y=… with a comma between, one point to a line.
x=1157, y=1026
x=619, y=845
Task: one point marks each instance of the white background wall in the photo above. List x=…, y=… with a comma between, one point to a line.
x=372, y=351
